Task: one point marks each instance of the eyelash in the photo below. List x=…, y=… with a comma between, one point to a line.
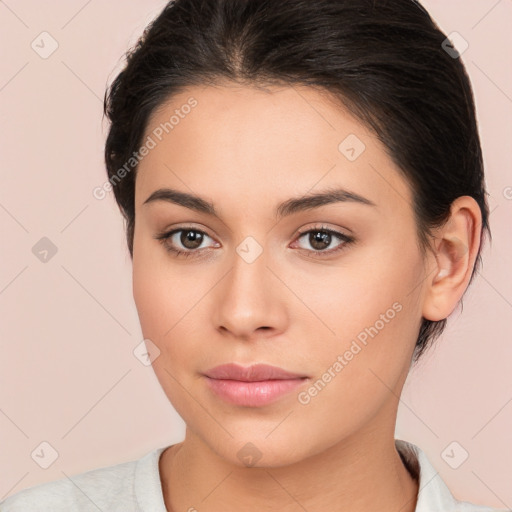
x=164, y=237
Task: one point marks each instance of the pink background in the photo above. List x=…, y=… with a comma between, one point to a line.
x=69, y=326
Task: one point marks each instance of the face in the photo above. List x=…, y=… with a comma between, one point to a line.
x=327, y=289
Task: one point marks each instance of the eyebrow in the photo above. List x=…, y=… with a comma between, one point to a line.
x=288, y=207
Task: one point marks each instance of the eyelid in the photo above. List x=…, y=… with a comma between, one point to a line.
x=323, y=226
x=184, y=227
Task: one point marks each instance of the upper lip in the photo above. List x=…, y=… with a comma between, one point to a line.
x=253, y=373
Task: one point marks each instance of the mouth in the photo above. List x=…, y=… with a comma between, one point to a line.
x=252, y=386
x=253, y=373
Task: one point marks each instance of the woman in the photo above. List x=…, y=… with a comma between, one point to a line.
x=303, y=190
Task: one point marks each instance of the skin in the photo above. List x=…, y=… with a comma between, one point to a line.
x=246, y=150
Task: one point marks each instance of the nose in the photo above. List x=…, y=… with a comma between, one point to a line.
x=249, y=300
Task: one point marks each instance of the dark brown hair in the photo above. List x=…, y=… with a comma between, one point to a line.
x=384, y=60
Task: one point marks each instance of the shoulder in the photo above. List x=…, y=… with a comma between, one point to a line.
x=433, y=493
x=107, y=488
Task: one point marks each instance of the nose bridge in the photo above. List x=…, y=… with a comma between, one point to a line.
x=247, y=298
x=248, y=277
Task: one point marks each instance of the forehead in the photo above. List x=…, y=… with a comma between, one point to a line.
x=253, y=143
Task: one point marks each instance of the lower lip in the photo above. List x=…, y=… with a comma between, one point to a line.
x=253, y=394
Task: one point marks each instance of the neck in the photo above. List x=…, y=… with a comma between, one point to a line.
x=360, y=473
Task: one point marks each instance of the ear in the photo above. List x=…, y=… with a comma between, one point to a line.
x=455, y=248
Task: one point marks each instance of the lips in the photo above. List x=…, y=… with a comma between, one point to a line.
x=253, y=373
x=258, y=385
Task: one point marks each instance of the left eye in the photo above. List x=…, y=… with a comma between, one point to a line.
x=321, y=238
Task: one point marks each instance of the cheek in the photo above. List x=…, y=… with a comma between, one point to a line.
x=165, y=302
x=359, y=372
x=159, y=292
x=170, y=304
x=370, y=294
x=368, y=316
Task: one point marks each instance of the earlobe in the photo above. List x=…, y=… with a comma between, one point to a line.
x=454, y=254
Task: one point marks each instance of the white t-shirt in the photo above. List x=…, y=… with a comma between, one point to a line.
x=135, y=487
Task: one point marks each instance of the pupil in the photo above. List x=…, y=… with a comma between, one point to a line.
x=320, y=240
x=191, y=236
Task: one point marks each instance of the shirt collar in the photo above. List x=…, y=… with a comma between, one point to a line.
x=433, y=494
